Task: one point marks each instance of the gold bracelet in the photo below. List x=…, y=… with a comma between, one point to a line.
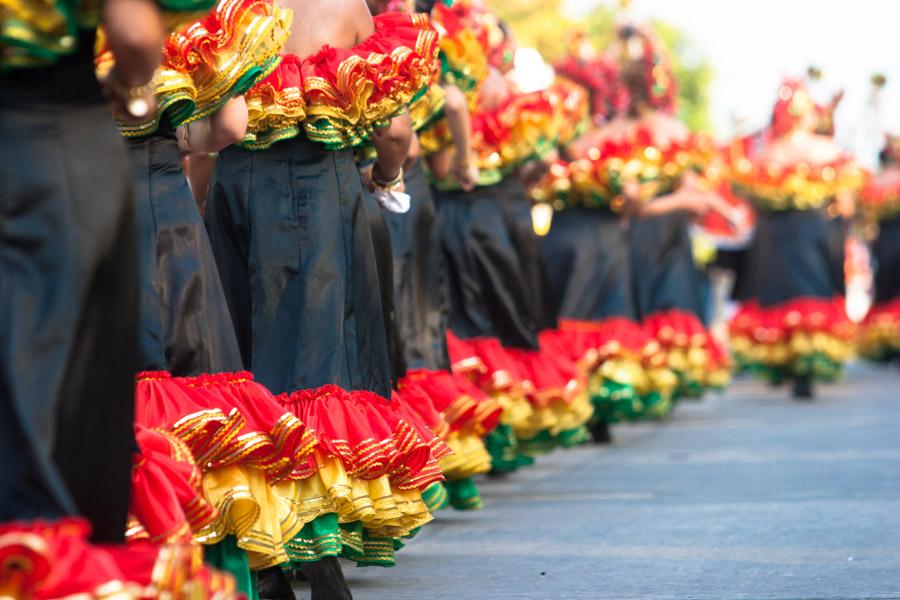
x=387, y=185
x=136, y=98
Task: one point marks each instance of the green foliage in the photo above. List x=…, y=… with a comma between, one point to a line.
x=541, y=24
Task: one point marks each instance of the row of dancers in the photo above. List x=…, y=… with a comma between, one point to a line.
x=276, y=294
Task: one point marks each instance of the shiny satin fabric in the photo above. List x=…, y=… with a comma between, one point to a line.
x=886, y=254
x=792, y=255
x=384, y=265
x=587, y=255
x=488, y=289
x=664, y=275
x=421, y=306
x=516, y=205
x=185, y=326
x=68, y=303
x=290, y=233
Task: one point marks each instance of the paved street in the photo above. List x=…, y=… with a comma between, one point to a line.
x=745, y=495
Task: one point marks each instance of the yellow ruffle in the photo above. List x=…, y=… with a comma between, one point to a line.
x=261, y=520
x=798, y=345
x=384, y=510
x=470, y=457
x=427, y=108
x=802, y=187
x=196, y=80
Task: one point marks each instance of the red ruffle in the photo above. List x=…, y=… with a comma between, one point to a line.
x=463, y=405
x=166, y=498
x=679, y=329
x=226, y=419
x=885, y=311
x=338, y=93
x=370, y=436
x=524, y=125
x=591, y=342
x=548, y=378
x=44, y=560
x=493, y=369
x=775, y=324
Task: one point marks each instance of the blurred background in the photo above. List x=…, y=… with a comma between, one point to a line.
x=731, y=56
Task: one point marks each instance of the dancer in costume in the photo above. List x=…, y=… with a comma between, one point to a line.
x=191, y=382
x=879, y=204
x=68, y=270
x=666, y=187
x=634, y=165
x=291, y=237
x=455, y=410
x=494, y=340
x=795, y=327
x=587, y=244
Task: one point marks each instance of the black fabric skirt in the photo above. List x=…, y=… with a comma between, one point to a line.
x=516, y=206
x=185, y=325
x=421, y=307
x=794, y=254
x=68, y=302
x=384, y=266
x=886, y=254
x=588, y=260
x=292, y=240
x=487, y=284
x=664, y=275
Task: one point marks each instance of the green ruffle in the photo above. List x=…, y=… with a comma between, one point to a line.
x=463, y=494
x=24, y=44
x=503, y=447
x=617, y=402
x=324, y=536
x=435, y=496
x=226, y=556
x=817, y=365
x=545, y=441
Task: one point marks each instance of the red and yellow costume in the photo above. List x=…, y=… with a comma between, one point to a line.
x=794, y=323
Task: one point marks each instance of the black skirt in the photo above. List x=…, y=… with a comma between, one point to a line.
x=488, y=289
x=516, y=206
x=793, y=254
x=588, y=260
x=886, y=254
x=421, y=307
x=664, y=275
x=291, y=237
x=68, y=301
x=185, y=325
x=384, y=266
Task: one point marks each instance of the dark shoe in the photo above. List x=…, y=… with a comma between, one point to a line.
x=275, y=584
x=326, y=579
x=803, y=388
x=600, y=432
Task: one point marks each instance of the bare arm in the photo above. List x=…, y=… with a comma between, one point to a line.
x=456, y=111
x=225, y=127
x=135, y=33
x=392, y=145
x=362, y=20
x=199, y=168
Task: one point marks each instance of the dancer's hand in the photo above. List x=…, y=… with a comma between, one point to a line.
x=465, y=172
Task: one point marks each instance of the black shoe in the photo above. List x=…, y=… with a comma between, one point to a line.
x=274, y=584
x=326, y=579
x=600, y=432
x=803, y=388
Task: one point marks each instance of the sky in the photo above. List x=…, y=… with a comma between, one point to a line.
x=753, y=44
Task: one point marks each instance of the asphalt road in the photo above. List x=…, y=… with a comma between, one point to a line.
x=745, y=495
